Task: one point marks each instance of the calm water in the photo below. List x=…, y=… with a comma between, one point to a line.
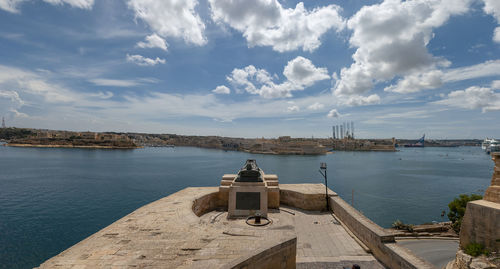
x=51, y=199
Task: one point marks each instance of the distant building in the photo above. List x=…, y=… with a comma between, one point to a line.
x=88, y=135
x=3, y=122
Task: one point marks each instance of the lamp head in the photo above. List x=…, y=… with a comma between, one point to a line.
x=322, y=166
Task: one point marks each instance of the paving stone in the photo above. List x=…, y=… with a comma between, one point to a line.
x=167, y=234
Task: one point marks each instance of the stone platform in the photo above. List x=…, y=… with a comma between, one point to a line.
x=188, y=230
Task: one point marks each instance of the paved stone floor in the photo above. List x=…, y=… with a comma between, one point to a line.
x=167, y=234
x=322, y=242
x=436, y=251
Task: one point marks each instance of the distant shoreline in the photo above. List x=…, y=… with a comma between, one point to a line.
x=68, y=146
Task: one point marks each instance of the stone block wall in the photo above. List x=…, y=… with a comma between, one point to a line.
x=481, y=224
x=380, y=242
x=304, y=196
x=492, y=194
x=280, y=256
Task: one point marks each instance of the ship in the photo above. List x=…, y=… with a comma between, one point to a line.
x=419, y=144
x=486, y=143
x=494, y=146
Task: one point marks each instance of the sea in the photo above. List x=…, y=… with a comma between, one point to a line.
x=52, y=198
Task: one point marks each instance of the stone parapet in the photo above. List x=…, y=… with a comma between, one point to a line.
x=378, y=240
x=492, y=194
x=305, y=196
x=481, y=224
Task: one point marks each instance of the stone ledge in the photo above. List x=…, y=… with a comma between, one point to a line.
x=381, y=243
x=272, y=255
x=305, y=196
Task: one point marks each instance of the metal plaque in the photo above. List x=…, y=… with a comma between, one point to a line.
x=247, y=200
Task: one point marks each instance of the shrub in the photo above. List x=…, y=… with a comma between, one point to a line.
x=476, y=249
x=457, y=209
x=402, y=226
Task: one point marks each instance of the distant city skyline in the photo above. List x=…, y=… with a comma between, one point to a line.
x=263, y=68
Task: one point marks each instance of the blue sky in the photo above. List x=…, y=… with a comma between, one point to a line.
x=253, y=68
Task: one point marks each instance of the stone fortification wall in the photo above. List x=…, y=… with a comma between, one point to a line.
x=492, y=194
x=281, y=255
x=481, y=222
x=380, y=242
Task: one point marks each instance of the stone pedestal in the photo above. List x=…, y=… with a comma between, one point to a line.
x=481, y=222
x=248, y=197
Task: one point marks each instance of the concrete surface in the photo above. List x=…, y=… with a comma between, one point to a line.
x=168, y=234
x=436, y=251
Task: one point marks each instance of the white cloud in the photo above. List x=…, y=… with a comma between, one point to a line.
x=18, y=114
x=333, y=114
x=102, y=95
x=267, y=23
x=171, y=18
x=417, y=114
x=13, y=5
x=495, y=84
x=486, y=69
x=300, y=74
x=492, y=7
x=85, y=4
x=221, y=90
x=391, y=39
x=473, y=98
x=13, y=96
x=301, y=71
x=316, y=106
x=436, y=78
x=153, y=41
x=418, y=81
x=114, y=82
x=496, y=35
x=293, y=108
x=358, y=100
x=143, y=61
x=10, y=5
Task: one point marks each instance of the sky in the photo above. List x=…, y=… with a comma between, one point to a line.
x=262, y=68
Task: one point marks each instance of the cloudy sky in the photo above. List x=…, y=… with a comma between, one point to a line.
x=253, y=68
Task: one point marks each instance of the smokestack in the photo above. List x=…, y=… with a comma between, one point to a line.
x=352, y=128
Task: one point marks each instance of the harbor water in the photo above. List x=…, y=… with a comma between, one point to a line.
x=52, y=198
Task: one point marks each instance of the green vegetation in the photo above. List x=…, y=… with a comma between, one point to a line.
x=402, y=226
x=457, y=209
x=14, y=133
x=476, y=249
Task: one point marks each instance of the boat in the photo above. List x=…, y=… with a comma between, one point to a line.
x=494, y=146
x=419, y=144
x=486, y=143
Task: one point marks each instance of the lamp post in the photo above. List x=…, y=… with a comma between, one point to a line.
x=322, y=171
